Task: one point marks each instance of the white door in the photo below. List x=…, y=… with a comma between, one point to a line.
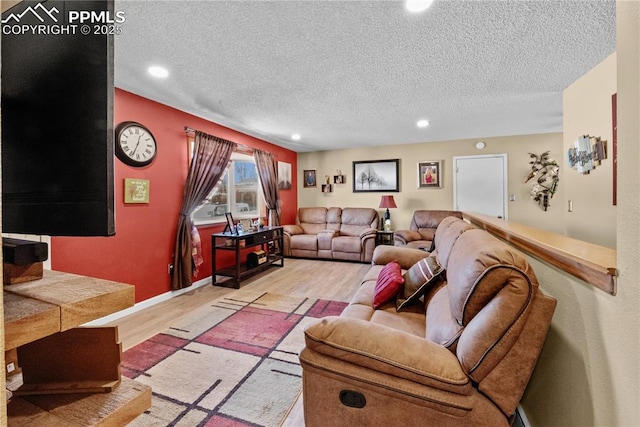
x=480, y=184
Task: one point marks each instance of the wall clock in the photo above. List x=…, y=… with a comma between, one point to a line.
x=135, y=144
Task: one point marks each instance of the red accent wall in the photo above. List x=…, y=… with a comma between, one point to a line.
x=142, y=248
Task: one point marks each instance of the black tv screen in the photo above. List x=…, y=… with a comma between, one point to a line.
x=57, y=120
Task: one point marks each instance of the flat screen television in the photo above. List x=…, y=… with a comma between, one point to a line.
x=57, y=121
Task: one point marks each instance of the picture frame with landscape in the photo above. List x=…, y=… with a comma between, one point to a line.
x=376, y=176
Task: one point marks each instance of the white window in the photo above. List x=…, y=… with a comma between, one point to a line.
x=238, y=192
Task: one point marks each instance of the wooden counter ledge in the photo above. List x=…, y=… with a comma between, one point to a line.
x=591, y=263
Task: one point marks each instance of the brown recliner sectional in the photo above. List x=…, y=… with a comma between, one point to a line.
x=422, y=228
x=462, y=357
x=332, y=233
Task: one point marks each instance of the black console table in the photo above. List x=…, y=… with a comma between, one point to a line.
x=266, y=239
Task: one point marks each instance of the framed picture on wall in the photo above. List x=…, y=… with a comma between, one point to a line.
x=376, y=176
x=284, y=176
x=309, y=178
x=430, y=174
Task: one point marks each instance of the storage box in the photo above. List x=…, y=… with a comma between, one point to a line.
x=256, y=258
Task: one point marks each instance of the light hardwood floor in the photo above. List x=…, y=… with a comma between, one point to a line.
x=314, y=279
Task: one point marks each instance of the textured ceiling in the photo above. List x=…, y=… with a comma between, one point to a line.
x=361, y=73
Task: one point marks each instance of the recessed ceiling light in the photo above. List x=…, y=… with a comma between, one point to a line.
x=422, y=123
x=417, y=6
x=296, y=137
x=159, y=72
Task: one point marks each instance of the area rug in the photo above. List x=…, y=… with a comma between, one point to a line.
x=234, y=363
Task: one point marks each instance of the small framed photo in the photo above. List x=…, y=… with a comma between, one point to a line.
x=246, y=225
x=430, y=174
x=231, y=225
x=309, y=178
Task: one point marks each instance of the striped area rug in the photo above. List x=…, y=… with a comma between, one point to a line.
x=231, y=364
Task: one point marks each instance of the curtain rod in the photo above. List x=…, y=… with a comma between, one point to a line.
x=242, y=147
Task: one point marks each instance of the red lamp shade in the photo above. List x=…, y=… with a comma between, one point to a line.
x=387, y=202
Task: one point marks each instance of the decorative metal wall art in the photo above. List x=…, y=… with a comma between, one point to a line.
x=545, y=171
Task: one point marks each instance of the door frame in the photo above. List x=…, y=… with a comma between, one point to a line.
x=505, y=184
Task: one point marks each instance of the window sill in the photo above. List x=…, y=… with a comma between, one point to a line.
x=591, y=263
x=209, y=222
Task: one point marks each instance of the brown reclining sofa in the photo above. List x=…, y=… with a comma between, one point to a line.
x=461, y=356
x=332, y=233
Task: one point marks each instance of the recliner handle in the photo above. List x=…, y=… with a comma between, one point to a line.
x=352, y=399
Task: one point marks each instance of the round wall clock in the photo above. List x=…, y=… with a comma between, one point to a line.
x=135, y=144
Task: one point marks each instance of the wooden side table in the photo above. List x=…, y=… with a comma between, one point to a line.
x=70, y=374
x=268, y=239
x=384, y=238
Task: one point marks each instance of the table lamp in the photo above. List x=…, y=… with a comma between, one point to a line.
x=387, y=202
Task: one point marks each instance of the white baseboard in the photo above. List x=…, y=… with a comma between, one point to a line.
x=147, y=303
x=522, y=417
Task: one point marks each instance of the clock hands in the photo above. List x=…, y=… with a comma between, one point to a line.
x=137, y=144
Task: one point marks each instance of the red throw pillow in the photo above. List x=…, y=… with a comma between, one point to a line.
x=388, y=284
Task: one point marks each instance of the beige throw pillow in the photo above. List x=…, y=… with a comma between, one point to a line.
x=417, y=280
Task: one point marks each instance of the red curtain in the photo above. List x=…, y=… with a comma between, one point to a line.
x=210, y=158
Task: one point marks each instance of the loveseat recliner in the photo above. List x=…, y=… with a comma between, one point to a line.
x=332, y=233
x=422, y=228
x=461, y=356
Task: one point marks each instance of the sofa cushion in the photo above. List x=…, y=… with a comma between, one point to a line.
x=479, y=267
x=351, y=244
x=430, y=219
x=307, y=242
x=405, y=256
x=312, y=215
x=312, y=220
x=382, y=349
x=334, y=218
x=417, y=280
x=410, y=320
x=356, y=220
x=441, y=327
x=446, y=236
x=388, y=284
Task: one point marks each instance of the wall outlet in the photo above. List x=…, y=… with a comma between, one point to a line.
x=11, y=367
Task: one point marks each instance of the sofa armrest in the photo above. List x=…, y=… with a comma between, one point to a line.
x=368, y=232
x=292, y=229
x=405, y=256
x=405, y=236
x=384, y=349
